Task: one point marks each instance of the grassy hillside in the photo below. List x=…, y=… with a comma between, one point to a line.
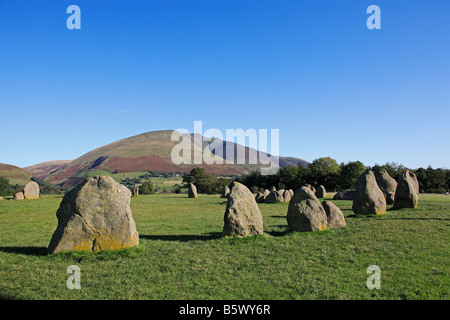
x=182, y=256
x=149, y=151
x=15, y=174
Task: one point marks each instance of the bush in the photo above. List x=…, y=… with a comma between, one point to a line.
x=147, y=188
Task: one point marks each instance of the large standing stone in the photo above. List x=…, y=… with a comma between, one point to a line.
x=192, y=191
x=369, y=198
x=291, y=192
x=347, y=194
x=321, y=192
x=242, y=215
x=18, y=196
x=31, y=191
x=387, y=184
x=415, y=181
x=335, y=217
x=225, y=192
x=95, y=216
x=305, y=213
x=406, y=195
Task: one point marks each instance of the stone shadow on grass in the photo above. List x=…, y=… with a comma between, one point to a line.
x=29, y=251
x=183, y=237
x=280, y=233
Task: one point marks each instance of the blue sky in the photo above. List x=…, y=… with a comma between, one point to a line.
x=311, y=69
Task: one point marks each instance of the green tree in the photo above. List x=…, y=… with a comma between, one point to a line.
x=147, y=188
x=5, y=189
x=350, y=173
x=324, y=171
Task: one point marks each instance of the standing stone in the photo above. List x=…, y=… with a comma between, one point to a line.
x=387, y=184
x=311, y=188
x=259, y=197
x=335, y=217
x=321, y=192
x=192, y=191
x=31, y=191
x=18, y=196
x=406, y=195
x=287, y=196
x=95, y=216
x=136, y=191
x=273, y=189
x=305, y=213
x=274, y=196
x=225, y=192
x=347, y=194
x=291, y=192
x=416, y=182
x=242, y=215
x=369, y=198
x=1, y=199
x=266, y=193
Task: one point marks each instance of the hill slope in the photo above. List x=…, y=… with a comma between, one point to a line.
x=149, y=151
x=44, y=169
x=15, y=174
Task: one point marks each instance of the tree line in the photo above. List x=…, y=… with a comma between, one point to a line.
x=333, y=176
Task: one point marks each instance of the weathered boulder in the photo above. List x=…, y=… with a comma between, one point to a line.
x=1, y=199
x=335, y=217
x=406, y=195
x=369, y=199
x=347, y=194
x=311, y=188
x=305, y=213
x=18, y=196
x=274, y=196
x=287, y=196
x=266, y=193
x=242, y=215
x=225, y=192
x=321, y=192
x=95, y=216
x=31, y=191
x=387, y=184
x=259, y=198
x=291, y=192
x=192, y=191
x=273, y=189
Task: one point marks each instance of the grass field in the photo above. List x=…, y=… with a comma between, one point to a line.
x=182, y=256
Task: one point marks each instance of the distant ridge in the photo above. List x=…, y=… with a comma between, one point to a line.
x=15, y=174
x=149, y=151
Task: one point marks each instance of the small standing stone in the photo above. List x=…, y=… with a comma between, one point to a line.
x=18, y=196
x=335, y=217
x=192, y=191
x=321, y=192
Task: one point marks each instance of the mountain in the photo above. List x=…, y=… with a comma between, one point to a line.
x=44, y=169
x=149, y=151
x=15, y=174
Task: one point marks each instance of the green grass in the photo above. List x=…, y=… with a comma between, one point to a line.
x=182, y=256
